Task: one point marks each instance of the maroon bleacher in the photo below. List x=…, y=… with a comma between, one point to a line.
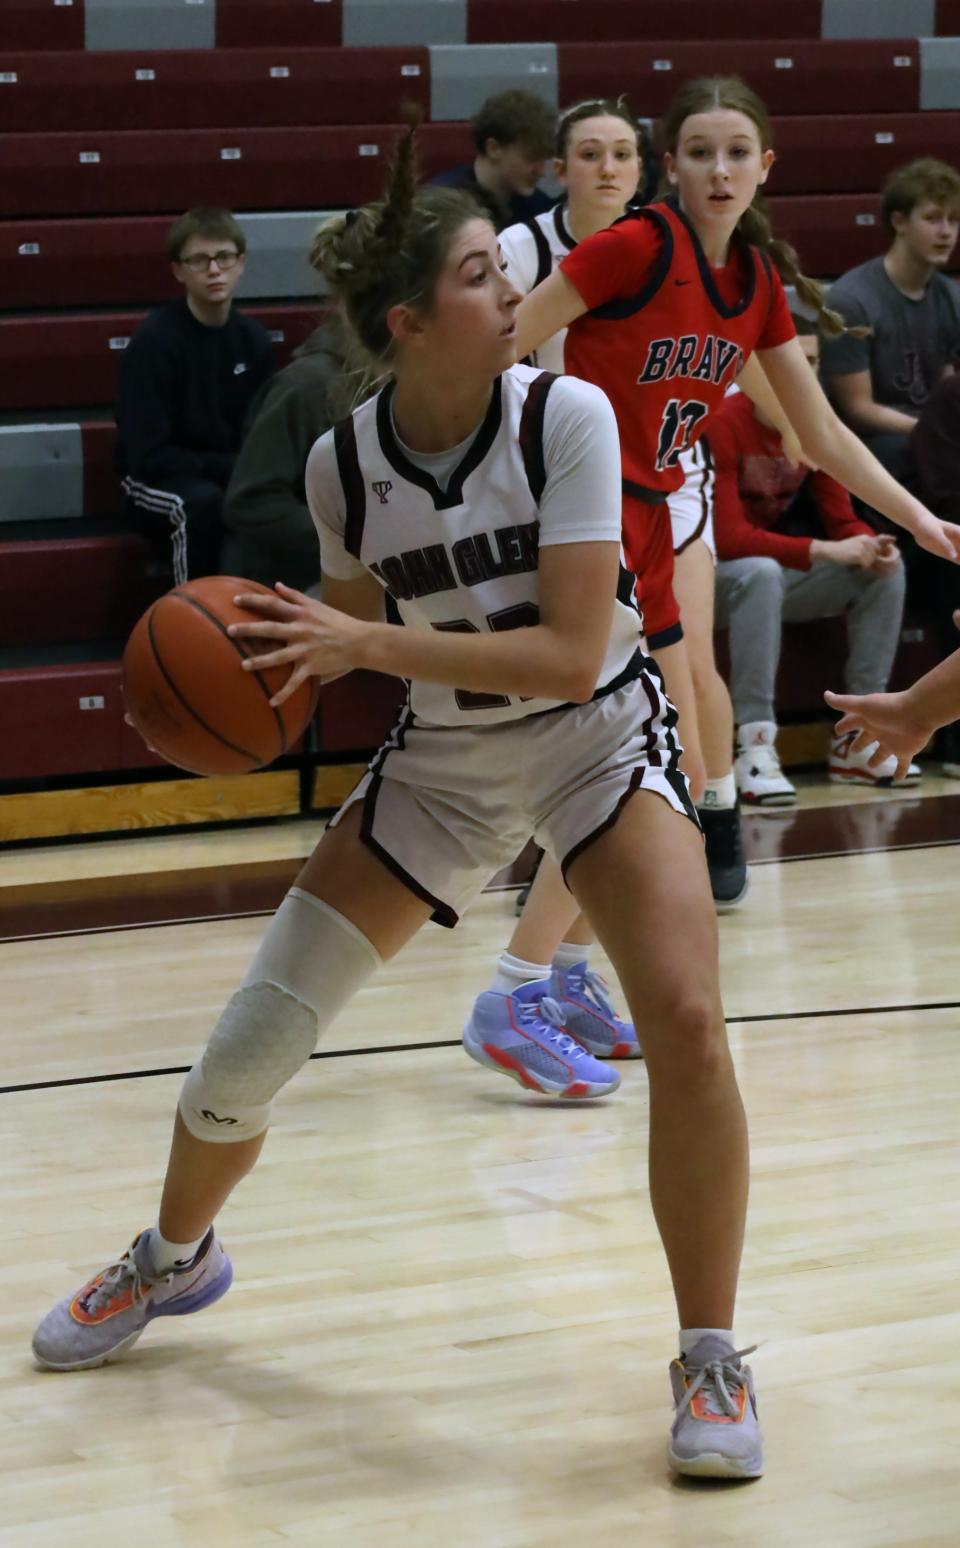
x=791, y=77
x=205, y=88
x=62, y=360
x=109, y=584
x=853, y=153
x=948, y=18
x=141, y=172
x=831, y=232
x=303, y=23
x=85, y=262
x=560, y=21
x=48, y=729
x=30, y=24
x=101, y=488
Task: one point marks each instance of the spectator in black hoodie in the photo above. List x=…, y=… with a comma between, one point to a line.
x=186, y=381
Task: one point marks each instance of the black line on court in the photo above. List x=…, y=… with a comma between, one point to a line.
x=454, y=1042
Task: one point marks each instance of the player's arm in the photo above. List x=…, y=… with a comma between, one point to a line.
x=559, y=656
x=554, y=304
x=836, y=449
x=361, y=598
x=853, y=395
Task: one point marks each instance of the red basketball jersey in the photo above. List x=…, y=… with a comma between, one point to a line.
x=666, y=333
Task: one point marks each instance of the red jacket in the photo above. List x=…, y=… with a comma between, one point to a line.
x=755, y=484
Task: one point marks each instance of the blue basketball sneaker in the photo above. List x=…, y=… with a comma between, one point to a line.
x=109, y=1313
x=523, y=1035
x=589, y=1016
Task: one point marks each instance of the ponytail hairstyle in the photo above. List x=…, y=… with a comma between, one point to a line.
x=391, y=253
x=706, y=95
x=599, y=107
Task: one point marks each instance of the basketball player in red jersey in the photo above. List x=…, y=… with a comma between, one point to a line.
x=664, y=308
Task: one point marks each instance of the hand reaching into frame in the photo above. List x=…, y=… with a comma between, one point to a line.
x=316, y=640
x=884, y=718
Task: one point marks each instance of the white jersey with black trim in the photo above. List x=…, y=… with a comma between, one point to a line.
x=532, y=249
x=461, y=552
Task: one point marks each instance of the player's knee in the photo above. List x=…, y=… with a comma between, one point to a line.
x=310, y=964
x=263, y=1038
x=691, y=1040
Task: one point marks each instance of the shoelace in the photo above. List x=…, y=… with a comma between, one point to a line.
x=594, y=988
x=714, y=1376
x=116, y=1279
x=550, y=1015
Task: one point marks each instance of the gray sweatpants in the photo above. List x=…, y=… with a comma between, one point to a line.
x=754, y=596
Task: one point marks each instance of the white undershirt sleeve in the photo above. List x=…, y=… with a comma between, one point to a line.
x=520, y=256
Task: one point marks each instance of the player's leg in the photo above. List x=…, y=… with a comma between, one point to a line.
x=644, y=884
x=548, y=955
x=346, y=913
x=693, y=582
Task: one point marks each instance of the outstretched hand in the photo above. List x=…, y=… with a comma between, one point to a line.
x=938, y=537
x=315, y=640
x=884, y=718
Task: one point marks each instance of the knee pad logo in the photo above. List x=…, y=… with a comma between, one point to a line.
x=214, y=1117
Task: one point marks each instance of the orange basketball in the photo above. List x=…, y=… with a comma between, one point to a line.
x=187, y=693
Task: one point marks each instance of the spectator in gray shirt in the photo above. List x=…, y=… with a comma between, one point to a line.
x=880, y=383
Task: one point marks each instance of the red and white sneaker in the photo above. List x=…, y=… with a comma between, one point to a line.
x=760, y=779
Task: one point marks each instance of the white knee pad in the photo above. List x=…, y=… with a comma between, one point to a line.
x=310, y=963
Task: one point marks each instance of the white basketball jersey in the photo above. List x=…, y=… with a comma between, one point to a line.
x=531, y=251
x=464, y=557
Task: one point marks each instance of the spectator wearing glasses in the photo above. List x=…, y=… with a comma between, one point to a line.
x=186, y=382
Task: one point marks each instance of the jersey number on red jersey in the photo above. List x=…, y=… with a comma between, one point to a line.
x=677, y=428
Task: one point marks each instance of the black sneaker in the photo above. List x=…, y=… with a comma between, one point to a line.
x=725, y=858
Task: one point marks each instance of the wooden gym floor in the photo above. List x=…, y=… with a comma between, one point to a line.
x=450, y=1321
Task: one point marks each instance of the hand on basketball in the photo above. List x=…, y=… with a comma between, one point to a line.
x=884, y=718
x=315, y=640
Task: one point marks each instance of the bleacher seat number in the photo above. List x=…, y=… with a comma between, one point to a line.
x=28, y=249
x=409, y=69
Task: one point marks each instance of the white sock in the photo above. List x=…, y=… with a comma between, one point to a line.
x=720, y=794
x=511, y=972
x=166, y=1255
x=691, y=1336
x=569, y=953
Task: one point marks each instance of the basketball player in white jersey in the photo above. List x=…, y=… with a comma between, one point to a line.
x=487, y=500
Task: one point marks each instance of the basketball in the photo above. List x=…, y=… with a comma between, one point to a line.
x=187, y=694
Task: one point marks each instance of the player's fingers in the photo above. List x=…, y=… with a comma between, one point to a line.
x=297, y=676
x=275, y=658
x=862, y=741
x=272, y=629
x=880, y=755
x=291, y=593
x=270, y=606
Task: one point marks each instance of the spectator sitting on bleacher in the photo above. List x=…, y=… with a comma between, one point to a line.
x=270, y=532
x=186, y=381
x=880, y=383
x=514, y=133
x=790, y=547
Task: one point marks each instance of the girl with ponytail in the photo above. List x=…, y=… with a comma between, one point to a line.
x=484, y=497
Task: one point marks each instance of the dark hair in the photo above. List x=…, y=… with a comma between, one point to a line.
x=705, y=95
x=515, y=117
x=204, y=221
x=598, y=107
x=391, y=253
x=916, y=183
